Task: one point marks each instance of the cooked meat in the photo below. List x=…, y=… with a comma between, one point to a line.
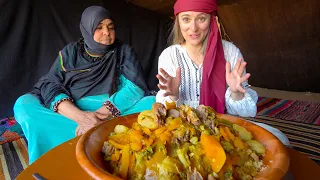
x=160, y=113
x=195, y=175
x=150, y=175
x=210, y=177
x=108, y=149
x=173, y=113
x=192, y=116
x=207, y=115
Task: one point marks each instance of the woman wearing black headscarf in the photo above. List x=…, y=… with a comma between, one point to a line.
x=93, y=79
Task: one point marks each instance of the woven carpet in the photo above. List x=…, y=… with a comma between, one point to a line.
x=291, y=110
x=303, y=137
x=14, y=158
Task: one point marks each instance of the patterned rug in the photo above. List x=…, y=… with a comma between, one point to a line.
x=13, y=158
x=10, y=130
x=304, y=138
x=290, y=110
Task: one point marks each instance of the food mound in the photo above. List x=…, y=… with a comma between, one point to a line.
x=182, y=143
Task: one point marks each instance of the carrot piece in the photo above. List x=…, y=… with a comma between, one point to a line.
x=224, y=134
x=124, y=162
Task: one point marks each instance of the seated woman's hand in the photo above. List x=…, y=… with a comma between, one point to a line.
x=170, y=84
x=86, y=121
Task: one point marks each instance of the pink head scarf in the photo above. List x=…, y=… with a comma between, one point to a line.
x=213, y=86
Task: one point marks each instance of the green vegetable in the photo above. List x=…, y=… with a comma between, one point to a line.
x=227, y=146
x=224, y=122
x=256, y=146
x=183, y=155
x=243, y=133
x=194, y=140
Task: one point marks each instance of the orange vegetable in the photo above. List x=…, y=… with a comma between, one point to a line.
x=147, y=142
x=158, y=157
x=238, y=143
x=146, y=131
x=213, y=151
x=117, y=145
x=136, y=146
x=174, y=124
x=120, y=138
x=229, y=133
x=115, y=156
x=135, y=135
x=136, y=126
x=165, y=136
x=159, y=131
x=124, y=162
x=170, y=105
x=224, y=134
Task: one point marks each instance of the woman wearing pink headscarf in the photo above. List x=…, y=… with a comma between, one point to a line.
x=200, y=68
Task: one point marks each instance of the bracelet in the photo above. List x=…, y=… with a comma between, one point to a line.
x=55, y=106
x=112, y=108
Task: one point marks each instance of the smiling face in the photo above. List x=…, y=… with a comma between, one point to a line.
x=105, y=33
x=194, y=26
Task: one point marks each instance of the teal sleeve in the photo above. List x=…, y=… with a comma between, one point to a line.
x=57, y=98
x=127, y=96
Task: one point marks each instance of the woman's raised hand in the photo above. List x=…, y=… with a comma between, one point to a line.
x=170, y=84
x=234, y=78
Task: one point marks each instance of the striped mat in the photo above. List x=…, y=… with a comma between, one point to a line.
x=303, y=137
x=291, y=110
x=14, y=158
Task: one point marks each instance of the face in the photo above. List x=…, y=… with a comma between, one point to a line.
x=105, y=33
x=194, y=26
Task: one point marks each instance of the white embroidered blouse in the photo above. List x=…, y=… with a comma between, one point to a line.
x=191, y=75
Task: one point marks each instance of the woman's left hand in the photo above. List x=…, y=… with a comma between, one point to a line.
x=234, y=78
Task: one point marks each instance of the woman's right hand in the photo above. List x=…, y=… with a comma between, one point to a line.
x=170, y=84
x=86, y=121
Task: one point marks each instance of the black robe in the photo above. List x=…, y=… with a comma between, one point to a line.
x=77, y=74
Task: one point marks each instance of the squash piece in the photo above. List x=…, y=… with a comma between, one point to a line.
x=124, y=162
x=238, y=143
x=213, y=151
x=146, y=131
x=171, y=105
x=135, y=135
x=116, y=145
x=136, y=146
x=159, y=131
x=157, y=158
x=122, y=138
x=229, y=133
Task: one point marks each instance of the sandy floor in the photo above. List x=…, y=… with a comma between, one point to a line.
x=305, y=96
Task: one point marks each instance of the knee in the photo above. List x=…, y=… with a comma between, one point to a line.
x=24, y=105
x=23, y=101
